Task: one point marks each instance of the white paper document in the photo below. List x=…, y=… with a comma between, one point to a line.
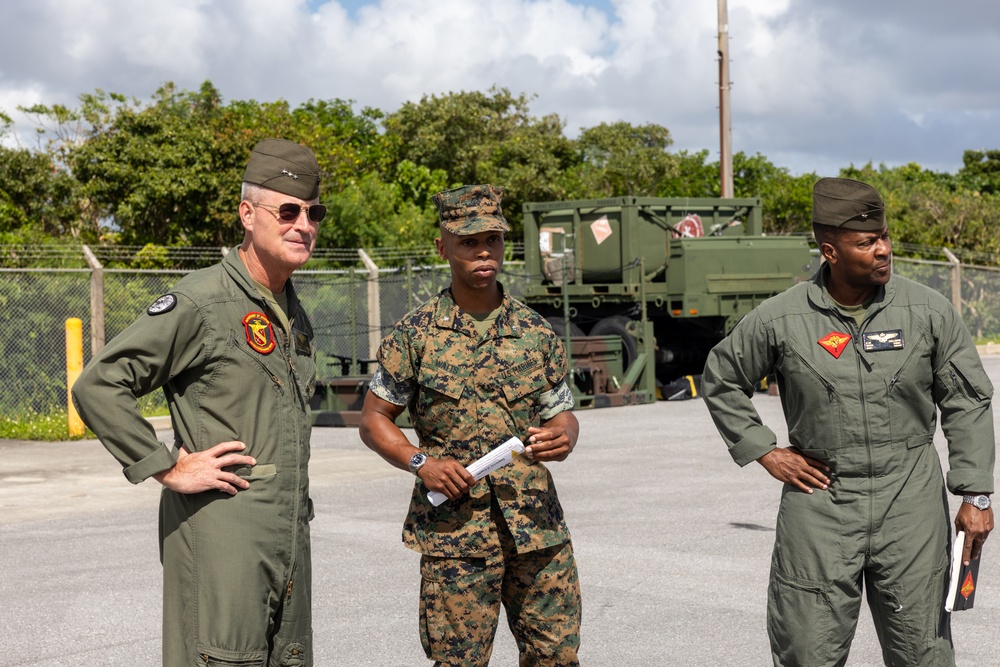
x=490, y=462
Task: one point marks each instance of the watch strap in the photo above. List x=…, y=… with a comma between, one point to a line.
x=979, y=500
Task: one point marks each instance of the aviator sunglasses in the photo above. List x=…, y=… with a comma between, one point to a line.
x=289, y=212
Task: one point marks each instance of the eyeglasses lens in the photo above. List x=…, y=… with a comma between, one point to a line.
x=289, y=212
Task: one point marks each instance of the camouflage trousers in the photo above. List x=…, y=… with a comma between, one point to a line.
x=460, y=602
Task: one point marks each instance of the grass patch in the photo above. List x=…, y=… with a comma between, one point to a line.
x=53, y=425
x=33, y=426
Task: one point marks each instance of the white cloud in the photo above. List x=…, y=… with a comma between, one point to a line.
x=816, y=85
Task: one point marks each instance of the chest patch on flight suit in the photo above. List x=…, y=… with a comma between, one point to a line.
x=876, y=341
x=302, y=345
x=260, y=334
x=835, y=343
x=162, y=305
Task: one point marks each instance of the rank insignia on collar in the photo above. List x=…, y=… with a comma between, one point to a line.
x=260, y=334
x=835, y=343
x=876, y=341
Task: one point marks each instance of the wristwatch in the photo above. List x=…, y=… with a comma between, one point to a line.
x=982, y=501
x=419, y=459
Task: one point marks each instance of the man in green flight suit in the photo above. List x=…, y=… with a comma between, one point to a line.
x=863, y=358
x=232, y=348
x=475, y=368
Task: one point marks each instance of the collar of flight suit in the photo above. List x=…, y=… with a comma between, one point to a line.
x=237, y=270
x=819, y=296
x=448, y=315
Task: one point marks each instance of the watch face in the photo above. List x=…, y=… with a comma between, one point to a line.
x=981, y=502
x=417, y=460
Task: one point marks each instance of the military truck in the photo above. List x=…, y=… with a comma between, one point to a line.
x=642, y=288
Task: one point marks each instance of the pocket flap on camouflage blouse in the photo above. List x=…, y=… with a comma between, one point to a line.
x=442, y=380
x=518, y=386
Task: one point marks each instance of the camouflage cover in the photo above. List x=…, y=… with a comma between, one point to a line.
x=471, y=209
x=474, y=393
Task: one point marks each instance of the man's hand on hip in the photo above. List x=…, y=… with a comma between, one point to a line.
x=788, y=465
x=203, y=471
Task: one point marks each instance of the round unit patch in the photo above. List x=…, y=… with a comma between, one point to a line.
x=260, y=335
x=162, y=305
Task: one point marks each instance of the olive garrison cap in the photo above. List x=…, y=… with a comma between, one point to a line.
x=285, y=166
x=847, y=204
x=471, y=209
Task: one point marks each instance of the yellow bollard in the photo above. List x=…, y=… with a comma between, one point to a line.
x=74, y=366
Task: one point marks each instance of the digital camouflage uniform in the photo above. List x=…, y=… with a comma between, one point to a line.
x=505, y=540
x=236, y=569
x=863, y=400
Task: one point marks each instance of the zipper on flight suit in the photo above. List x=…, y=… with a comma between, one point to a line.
x=855, y=332
x=285, y=337
x=899, y=371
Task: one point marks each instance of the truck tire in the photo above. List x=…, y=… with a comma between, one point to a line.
x=558, y=324
x=616, y=326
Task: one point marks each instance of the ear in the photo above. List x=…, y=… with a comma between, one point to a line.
x=829, y=252
x=442, y=250
x=246, y=215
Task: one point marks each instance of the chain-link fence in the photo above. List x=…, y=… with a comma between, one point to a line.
x=35, y=304
x=973, y=290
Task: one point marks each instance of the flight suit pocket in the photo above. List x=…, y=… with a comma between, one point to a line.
x=813, y=404
x=800, y=615
x=971, y=384
x=293, y=656
x=217, y=658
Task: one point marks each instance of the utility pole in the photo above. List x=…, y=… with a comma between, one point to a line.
x=725, y=120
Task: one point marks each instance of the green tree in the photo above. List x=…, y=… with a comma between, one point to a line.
x=369, y=212
x=38, y=198
x=624, y=159
x=151, y=173
x=694, y=177
x=981, y=171
x=475, y=137
x=786, y=199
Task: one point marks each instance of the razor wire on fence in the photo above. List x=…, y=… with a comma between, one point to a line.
x=35, y=303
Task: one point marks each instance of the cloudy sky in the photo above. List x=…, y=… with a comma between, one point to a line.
x=817, y=85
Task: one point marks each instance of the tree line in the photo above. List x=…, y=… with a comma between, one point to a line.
x=165, y=171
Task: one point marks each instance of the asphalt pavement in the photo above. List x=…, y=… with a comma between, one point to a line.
x=672, y=542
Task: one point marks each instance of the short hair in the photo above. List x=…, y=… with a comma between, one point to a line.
x=250, y=192
x=826, y=234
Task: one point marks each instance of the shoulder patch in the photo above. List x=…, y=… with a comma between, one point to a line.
x=162, y=305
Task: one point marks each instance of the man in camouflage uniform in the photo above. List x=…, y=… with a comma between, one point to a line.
x=232, y=348
x=474, y=368
x=864, y=361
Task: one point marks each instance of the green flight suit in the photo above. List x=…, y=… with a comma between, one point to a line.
x=236, y=569
x=863, y=400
